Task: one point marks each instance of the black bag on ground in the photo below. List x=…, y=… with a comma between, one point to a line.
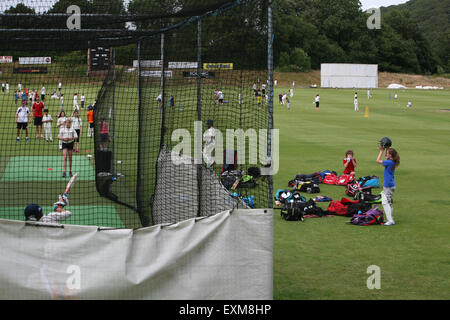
x=292, y=212
x=309, y=187
x=356, y=207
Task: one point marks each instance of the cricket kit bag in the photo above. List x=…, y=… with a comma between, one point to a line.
x=293, y=208
x=372, y=217
x=325, y=173
x=337, y=208
x=330, y=179
x=358, y=208
x=309, y=187
x=352, y=189
x=340, y=208
x=344, y=179
x=369, y=181
x=302, y=178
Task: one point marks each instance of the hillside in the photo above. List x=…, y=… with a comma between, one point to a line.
x=433, y=20
x=432, y=16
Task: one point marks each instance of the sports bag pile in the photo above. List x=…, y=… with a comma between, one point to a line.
x=372, y=217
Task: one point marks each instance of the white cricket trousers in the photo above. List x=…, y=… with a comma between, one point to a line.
x=386, y=201
x=48, y=133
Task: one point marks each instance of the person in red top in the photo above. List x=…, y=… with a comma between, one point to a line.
x=38, y=107
x=349, y=163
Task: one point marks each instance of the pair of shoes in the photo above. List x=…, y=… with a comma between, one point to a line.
x=70, y=173
x=64, y=174
x=42, y=136
x=389, y=223
x=46, y=140
x=28, y=139
x=17, y=139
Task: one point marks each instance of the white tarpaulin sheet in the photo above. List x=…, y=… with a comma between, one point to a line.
x=341, y=75
x=225, y=256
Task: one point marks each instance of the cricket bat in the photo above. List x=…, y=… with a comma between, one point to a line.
x=71, y=183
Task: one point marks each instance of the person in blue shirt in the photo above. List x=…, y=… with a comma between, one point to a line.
x=390, y=165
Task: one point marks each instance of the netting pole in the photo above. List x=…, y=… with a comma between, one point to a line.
x=139, y=198
x=163, y=90
x=199, y=112
x=270, y=101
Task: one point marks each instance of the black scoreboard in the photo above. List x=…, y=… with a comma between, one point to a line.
x=99, y=58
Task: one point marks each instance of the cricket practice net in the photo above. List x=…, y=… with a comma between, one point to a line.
x=171, y=103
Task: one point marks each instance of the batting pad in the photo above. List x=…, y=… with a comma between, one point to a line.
x=227, y=256
x=45, y=168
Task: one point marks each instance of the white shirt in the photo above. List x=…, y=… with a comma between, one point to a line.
x=7, y=86
x=209, y=136
x=22, y=113
x=68, y=133
x=220, y=94
x=159, y=98
x=54, y=217
x=19, y=86
x=47, y=118
x=317, y=98
x=76, y=122
x=82, y=98
x=43, y=90
x=59, y=85
x=61, y=121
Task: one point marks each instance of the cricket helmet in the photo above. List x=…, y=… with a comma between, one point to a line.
x=385, y=142
x=33, y=212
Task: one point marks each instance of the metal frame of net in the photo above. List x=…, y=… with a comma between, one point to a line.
x=154, y=75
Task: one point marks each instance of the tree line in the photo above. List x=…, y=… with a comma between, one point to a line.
x=306, y=34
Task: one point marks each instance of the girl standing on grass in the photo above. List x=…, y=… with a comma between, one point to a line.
x=67, y=136
x=60, y=124
x=390, y=164
x=77, y=124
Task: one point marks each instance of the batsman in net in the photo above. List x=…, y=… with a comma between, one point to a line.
x=33, y=212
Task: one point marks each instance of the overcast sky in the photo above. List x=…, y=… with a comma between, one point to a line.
x=367, y=4
x=42, y=5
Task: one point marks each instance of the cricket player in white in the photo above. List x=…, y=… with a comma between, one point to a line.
x=33, y=212
x=210, y=142
x=47, y=121
x=51, y=277
x=355, y=101
x=75, y=102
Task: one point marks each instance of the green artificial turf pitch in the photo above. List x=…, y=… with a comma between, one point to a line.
x=105, y=216
x=45, y=168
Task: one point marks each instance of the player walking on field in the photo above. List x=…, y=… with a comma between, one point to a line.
x=47, y=121
x=60, y=125
x=355, y=102
x=67, y=135
x=90, y=117
x=21, y=118
x=317, y=101
x=38, y=107
x=77, y=124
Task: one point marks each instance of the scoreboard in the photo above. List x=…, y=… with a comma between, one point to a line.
x=99, y=59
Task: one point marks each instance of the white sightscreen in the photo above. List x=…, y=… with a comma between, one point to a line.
x=341, y=75
x=227, y=256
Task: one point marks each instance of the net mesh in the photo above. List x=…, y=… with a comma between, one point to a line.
x=152, y=82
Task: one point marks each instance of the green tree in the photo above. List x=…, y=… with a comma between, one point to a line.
x=20, y=8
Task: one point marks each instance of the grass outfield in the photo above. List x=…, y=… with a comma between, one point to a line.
x=327, y=258
x=321, y=258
